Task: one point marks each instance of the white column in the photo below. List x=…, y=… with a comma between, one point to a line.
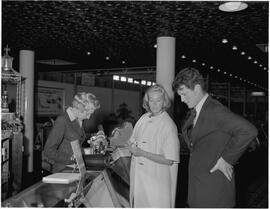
x=27, y=71
x=166, y=63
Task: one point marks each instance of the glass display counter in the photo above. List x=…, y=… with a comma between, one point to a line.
x=44, y=195
x=105, y=188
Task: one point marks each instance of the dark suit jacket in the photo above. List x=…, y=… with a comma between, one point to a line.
x=217, y=133
x=58, y=148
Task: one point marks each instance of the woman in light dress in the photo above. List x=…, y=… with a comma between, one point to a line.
x=155, y=146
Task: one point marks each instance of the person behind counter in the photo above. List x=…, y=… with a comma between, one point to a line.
x=68, y=127
x=154, y=145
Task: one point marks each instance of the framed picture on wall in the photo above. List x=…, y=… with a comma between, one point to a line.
x=50, y=101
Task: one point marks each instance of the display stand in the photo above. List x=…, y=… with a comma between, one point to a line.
x=11, y=129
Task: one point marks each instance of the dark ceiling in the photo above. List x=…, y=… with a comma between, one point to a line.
x=127, y=30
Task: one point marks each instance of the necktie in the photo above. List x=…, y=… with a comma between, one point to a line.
x=190, y=122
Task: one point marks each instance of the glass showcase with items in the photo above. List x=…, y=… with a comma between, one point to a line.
x=11, y=127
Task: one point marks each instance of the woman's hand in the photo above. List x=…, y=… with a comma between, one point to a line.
x=136, y=151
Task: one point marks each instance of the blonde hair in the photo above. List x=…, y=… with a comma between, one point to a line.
x=85, y=99
x=156, y=88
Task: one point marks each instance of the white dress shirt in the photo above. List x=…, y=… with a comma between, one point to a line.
x=198, y=108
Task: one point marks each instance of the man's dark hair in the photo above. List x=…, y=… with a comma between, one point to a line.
x=189, y=77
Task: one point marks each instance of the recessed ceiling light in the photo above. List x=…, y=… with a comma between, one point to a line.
x=243, y=53
x=224, y=41
x=155, y=46
x=193, y=60
x=203, y=64
x=88, y=53
x=183, y=56
x=255, y=62
x=233, y=6
x=234, y=48
x=123, y=62
x=107, y=58
x=249, y=57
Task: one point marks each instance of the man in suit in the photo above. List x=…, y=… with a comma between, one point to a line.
x=216, y=138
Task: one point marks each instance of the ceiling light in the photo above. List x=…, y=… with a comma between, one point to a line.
x=183, y=56
x=249, y=57
x=155, y=46
x=260, y=65
x=233, y=6
x=107, y=58
x=123, y=62
x=193, y=60
x=211, y=67
x=55, y=62
x=255, y=62
x=243, y=53
x=203, y=64
x=257, y=93
x=234, y=48
x=225, y=73
x=88, y=53
x=218, y=70
x=224, y=41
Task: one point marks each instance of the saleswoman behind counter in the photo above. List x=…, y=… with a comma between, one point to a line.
x=68, y=127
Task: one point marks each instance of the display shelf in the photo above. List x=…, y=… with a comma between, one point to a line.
x=11, y=125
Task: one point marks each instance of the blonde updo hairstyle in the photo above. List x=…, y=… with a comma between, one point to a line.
x=156, y=88
x=82, y=100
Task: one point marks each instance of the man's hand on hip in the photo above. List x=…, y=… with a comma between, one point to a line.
x=224, y=167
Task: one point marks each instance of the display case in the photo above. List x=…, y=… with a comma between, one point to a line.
x=97, y=188
x=11, y=127
x=103, y=189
